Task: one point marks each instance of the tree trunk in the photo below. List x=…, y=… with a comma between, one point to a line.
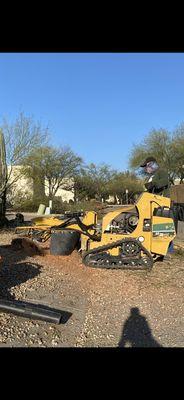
x=38, y=186
x=3, y=219
x=3, y=179
x=115, y=198
x=4, y=203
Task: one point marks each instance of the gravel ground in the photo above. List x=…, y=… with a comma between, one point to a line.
x=101, y=308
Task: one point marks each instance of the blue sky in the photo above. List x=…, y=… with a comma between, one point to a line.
x=99, y=104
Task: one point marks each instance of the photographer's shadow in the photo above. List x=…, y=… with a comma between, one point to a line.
x=136, y=331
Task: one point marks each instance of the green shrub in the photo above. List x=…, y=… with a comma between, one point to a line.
x=59, y=207
x=28, y=204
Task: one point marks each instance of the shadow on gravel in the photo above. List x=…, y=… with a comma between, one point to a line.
x=14, y=275
x=136, y=331
x=14, y=271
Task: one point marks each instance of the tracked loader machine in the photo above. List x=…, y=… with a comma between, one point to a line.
x=131, y=237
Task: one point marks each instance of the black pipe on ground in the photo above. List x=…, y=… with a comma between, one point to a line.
x=32, y=311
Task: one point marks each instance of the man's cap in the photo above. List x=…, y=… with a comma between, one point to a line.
x=148, y=159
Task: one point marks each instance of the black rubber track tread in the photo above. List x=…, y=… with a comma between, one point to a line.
x=125, y=266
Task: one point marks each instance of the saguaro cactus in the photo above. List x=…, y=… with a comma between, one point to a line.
x=3, y=174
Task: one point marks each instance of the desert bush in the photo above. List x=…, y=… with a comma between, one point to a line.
x=59, y=207
x=28, y=203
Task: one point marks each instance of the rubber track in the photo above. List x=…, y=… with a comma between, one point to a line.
x=116, y=244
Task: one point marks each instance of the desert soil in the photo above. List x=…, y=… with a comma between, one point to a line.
x=100, y=308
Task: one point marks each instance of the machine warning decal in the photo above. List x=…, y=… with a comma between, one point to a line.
x=163, y=229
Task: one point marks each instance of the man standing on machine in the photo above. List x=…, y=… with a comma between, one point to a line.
x=158, y=182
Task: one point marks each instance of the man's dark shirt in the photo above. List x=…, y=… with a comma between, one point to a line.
x=159, y=183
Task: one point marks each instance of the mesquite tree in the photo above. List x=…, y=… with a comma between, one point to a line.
x=17, y=140
x=168, y=149
x=54, y=167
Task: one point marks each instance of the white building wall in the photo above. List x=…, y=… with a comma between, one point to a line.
x=66, y=195
x=177, y=181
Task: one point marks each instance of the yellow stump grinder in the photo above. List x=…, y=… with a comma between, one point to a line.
x=130, y=237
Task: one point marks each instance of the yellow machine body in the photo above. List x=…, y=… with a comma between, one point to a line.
x=155, y=239
x=141, y=232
